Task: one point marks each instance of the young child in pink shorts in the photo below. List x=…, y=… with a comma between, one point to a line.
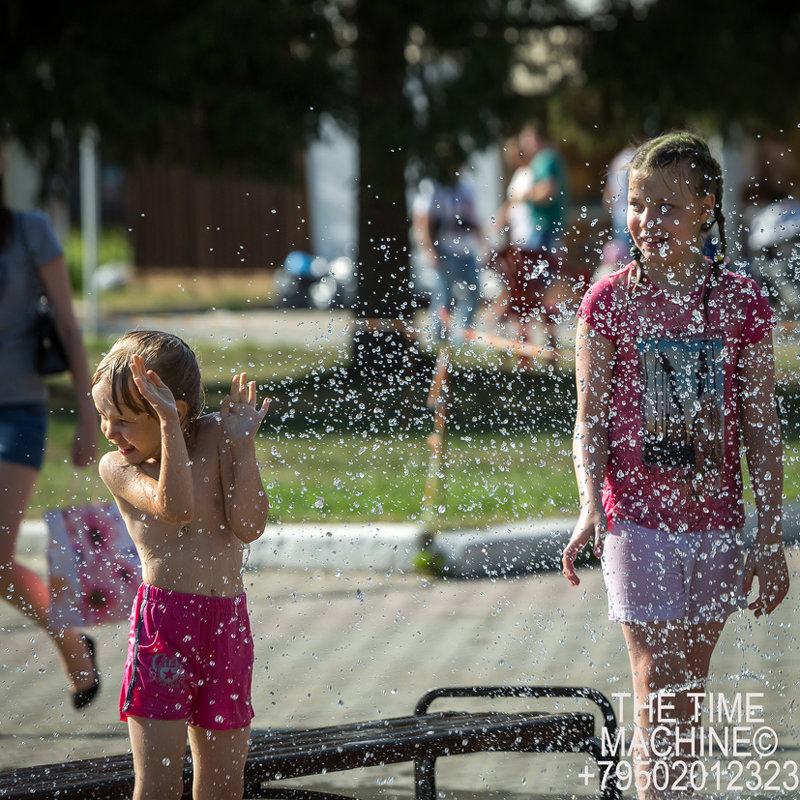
x=190, y=491
x=674, y=367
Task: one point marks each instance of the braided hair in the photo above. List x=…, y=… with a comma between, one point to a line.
x=671, y=151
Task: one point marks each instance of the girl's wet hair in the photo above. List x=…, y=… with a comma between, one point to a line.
x=164, y=353
x=671, y=151
x=683, y=151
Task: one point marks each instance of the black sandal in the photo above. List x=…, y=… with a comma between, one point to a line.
x=83, y=697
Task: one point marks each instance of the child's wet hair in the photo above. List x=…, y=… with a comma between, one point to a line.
x=677, y=149
x=164, y=353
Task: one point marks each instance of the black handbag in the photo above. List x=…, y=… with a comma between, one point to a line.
x=51, y=355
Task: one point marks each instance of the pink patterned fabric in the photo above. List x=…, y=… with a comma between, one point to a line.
x=94, y=567
x=673, y=433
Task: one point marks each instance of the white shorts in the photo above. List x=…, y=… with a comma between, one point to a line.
x=654, y=576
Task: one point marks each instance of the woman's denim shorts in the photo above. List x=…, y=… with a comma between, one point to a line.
x=23, y=428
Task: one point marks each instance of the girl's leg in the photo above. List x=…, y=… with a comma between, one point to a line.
x=219, y=758
x=159, y=749
x=657, y=655
x=672, y=658
x=22, y=587
x=701, y=639
x=500, y=305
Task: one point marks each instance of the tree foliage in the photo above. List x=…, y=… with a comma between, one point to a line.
x=217, y=85
x=240, y=85
x=669, y=63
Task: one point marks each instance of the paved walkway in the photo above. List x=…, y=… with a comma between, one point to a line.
x=342, y=646
x=265, y=326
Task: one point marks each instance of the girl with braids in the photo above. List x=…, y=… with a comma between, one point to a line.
x=670, y=346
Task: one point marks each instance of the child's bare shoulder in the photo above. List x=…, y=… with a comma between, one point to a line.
x=110, y=466
x=207, y=431
x=207, y=424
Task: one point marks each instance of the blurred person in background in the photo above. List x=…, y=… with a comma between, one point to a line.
x=617, y=247
x=532, y=218
x=548, y=194
x=32, y=265
x=446, y=230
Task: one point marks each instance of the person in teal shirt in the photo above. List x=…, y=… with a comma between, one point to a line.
x=548, y=196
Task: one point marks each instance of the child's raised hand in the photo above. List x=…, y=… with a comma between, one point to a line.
x=153, y=389
x=239, y=412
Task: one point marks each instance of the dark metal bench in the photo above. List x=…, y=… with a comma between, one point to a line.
x=422, y=738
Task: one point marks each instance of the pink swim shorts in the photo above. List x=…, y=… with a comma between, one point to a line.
x=189, y=657
x=656, y=576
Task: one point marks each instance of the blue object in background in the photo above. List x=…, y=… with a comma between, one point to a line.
x=304, y=265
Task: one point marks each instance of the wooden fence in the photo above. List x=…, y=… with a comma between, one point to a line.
x=182, y=220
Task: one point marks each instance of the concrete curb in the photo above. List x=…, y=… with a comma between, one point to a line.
x=516, y=548
x=383, y=546
x=509, y=549
x=380, y=546
x=512, y=549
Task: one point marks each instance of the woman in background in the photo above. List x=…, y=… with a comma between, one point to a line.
x=32, y=265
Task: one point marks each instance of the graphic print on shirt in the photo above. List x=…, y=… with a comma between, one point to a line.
x=682, y=407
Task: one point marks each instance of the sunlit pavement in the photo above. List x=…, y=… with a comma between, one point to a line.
x=263, y=326
x=275, y=327
x=337, y=646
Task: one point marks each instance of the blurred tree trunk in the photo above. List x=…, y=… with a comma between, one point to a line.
x=384, y=295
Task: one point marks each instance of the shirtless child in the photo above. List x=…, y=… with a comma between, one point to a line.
x=190, y=492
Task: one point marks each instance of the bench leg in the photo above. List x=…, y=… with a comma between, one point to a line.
x=425, y=778
x=609, y=782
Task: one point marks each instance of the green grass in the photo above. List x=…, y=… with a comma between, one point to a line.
x=324, y=457
x=315, y=474
x=356, y=476
x=485, y=478
x=182, y=290
x=165, y=289
x=114, y=246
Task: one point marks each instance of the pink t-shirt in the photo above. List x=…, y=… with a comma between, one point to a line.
x=674, y=458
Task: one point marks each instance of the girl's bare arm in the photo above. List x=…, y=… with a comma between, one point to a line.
x=761, y=436
x=245, y=499
x=594, y=362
